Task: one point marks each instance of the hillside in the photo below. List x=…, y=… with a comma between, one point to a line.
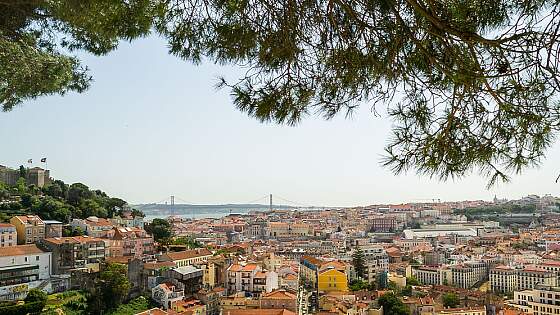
x=57, y=201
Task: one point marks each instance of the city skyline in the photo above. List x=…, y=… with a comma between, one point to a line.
x=153, y=125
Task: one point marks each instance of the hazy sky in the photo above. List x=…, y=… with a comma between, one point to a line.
x=152, y=126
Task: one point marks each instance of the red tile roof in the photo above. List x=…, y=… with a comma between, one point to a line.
x=73, y=239
x=187, y=254
x=20, y=250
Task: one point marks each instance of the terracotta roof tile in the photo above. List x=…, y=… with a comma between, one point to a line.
x=20, y=250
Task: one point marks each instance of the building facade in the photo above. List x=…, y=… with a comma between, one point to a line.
x=542, y=300
x=506, y=279
x=433, y=276
x=468, y=274
x=75, y=253
x=129, y=242
x=8, y=235
x=22, y=268
x=30, y=228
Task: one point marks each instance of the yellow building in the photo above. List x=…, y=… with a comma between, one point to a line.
x=30, y=228
x=332, y=280
x=399, y=280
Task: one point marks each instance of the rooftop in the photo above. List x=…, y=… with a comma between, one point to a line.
x=187, y=254
x=20, y=250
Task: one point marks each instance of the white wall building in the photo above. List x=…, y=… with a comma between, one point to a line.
x=23, y=268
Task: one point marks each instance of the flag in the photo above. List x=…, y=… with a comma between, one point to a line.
x=30, y=161
x=44, y=160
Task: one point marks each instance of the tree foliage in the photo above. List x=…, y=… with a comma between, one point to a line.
x=450, y=300
x=160, y=229
x=35, y=36
x=358, y=261
x=36, y=295
x=359, y=285
x=62, y=202
x=189, y=242
x=412, y=281
x=392, y=305
x=469, y=85
x=110, y=290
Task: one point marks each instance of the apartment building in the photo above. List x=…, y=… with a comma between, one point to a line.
x=129, y=242
x=250, y=278
x=529, y=277
x=188, y=257
x=23, y=267
x=167, y=294
x=542, y=300
x=332, y=279
x=503, y=279
x=434, y=258
x=278, y=230
x=189, y=276
x=433, y=276
x=8, y=235
x=128, y=220
x=53, y=228
x=508, y=279
x=468, y=274
x=552, y=266
x=94, y=226
x=279, y=299
x=309, y=269
x=30, y=228
x=376, y=255
x=409, y=245
x=384, y=224
x=69, y=254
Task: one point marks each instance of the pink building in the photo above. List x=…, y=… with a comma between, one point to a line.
x=129, y=242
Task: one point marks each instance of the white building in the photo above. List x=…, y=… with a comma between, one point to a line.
x=433, y=275
x=507, y=279
x=431, y=233
x=503, y=279
x=23, y=268
x=542, y=300
x=167, y=293
x=250, y=278
x=468, y=274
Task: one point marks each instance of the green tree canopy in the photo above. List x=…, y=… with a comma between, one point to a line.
x=36, y=295
x=35, y=36
x=113, y=285
x=469, y=85
x=450, y=300
x=392, y=305
x=412, y=281
x=160, y=229
x=358, y=261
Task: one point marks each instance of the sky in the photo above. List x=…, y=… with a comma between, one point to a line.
x=152, y=126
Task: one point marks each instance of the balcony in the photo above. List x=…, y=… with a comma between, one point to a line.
x=10, y=272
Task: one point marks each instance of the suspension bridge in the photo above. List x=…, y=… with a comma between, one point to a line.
x=175, y=205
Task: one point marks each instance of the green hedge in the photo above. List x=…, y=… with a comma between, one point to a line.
x=27, y=308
